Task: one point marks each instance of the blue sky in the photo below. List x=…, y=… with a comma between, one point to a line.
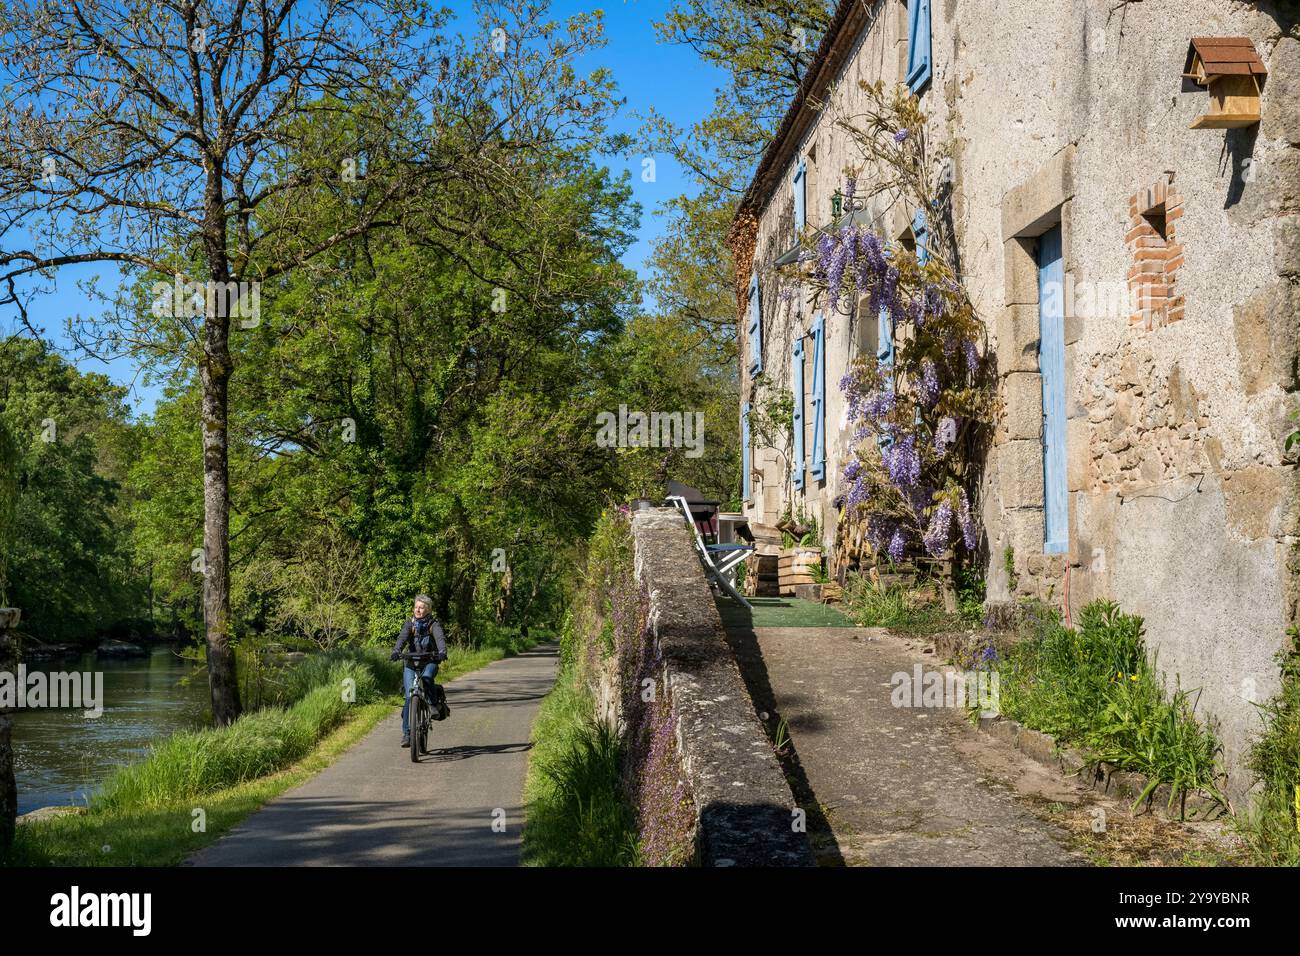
x=649, y=74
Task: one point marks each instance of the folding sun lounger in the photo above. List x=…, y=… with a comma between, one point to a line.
x=719, y=560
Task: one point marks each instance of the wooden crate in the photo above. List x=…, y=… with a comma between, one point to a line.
x=796, y=566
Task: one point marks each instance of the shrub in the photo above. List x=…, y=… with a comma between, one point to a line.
x=1093, y=687
x=1270, y=825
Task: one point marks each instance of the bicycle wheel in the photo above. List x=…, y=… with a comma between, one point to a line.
x=417, y=724
x=424, y=732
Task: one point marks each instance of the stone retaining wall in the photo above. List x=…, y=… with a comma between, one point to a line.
x=745, y=810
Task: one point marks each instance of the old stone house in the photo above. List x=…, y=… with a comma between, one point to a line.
x=1140, y=451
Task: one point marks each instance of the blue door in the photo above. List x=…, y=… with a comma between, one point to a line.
x=1051, y=363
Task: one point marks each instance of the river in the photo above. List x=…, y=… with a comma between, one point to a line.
x=61, y=756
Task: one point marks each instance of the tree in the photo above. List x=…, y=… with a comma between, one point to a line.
x=152, y=135
x=69, y=559
x=8, y=505
x=764, y=50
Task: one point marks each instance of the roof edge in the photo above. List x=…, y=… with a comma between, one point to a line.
x=848, y=18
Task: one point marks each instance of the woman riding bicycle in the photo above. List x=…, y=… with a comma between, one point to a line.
x=424, y=636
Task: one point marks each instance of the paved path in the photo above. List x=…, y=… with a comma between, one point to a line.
x=374, y=807
x=893, y=786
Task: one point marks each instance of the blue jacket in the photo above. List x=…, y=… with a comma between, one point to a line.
x=423, y=637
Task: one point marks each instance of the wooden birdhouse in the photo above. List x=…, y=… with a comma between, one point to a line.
x=1232, y=70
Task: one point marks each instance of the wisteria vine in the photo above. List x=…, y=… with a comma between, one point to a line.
x=919, y=421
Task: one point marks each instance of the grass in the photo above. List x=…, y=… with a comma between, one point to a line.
x=191, y=764
x=1093, y=688
x=575, y=813
x=163, y=835
x=900, y=609
x=781, y=612
x=1270, y=827
x=913, y=610
x=145, y=812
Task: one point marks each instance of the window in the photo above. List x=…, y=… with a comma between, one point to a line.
x=921, y=237
x=755, y=327
x=918, y=44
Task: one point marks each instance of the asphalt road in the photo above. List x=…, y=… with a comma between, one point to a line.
x=462, y=805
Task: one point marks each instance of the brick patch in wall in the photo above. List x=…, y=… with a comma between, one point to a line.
x=1155, y=255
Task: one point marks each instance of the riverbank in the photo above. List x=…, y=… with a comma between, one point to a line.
x=189, y=791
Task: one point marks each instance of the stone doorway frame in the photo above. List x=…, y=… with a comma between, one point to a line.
x=1029, y=210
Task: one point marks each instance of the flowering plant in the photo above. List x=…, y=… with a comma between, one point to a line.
x=921, y=414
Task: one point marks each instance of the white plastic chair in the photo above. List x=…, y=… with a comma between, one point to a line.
x=719, y=560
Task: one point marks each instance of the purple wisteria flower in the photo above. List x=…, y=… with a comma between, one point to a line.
x=850, y=186
x=900, y=136
x=880, y=404
x=967, y=523
x=929, y=387
x=902, y=462
x=897, y=544
x=831, y=262
x=972, y=357
x=858, y=493
x=918, y=499
x=936, y=535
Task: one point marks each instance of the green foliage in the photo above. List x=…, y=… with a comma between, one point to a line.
x=8, y=505
x=916, y=610
x=762, y=52
x=193, y=763
x=575, y=813
x=895, y=607
x=970, y=586
x=661, y=364
x=1009, y=565
x=68, y=447
x=1271, y=824
x=1093, y=687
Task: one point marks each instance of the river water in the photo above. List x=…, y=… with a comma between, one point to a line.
x=61, y=756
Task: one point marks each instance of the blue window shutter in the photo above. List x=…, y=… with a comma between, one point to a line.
x=800, y=196
x=755, y=327
x=1051, y=363
x=796, y=387
x=885, y=357
x=885, y=338
x=744, y=452
x=817, y=466
x=921, y=232
x=918, y=44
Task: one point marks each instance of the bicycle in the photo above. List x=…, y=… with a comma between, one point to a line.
x=420, y=708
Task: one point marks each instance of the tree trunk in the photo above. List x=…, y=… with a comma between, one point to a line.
x=8, y=788
x=215, y=382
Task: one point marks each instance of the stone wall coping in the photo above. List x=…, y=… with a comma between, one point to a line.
x=745, y=806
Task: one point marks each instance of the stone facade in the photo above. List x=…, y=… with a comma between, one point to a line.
x=1181, y=261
